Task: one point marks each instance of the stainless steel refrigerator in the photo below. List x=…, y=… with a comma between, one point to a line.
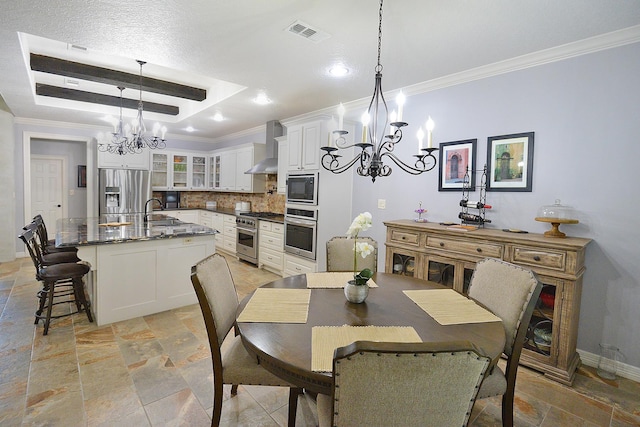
x=123, y=190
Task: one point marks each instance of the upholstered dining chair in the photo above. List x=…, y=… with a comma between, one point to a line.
x=340, y=254
x=216, y=291
x=403, y=384
x=511, y=293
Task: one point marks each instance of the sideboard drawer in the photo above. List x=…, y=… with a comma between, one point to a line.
x=539, y=257
x=467, y=247
x=407, y=237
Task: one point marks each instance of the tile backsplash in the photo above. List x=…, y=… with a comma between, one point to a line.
x=260, y=202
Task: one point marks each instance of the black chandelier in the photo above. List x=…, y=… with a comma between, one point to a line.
x=371, y=157
x=132, y=139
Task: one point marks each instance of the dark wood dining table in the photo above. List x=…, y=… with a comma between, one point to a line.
x=285, y=348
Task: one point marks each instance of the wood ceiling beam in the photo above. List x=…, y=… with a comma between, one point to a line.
x=62, y=67
x=97, y=98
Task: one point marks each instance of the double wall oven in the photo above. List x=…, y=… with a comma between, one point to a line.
x=301, y=214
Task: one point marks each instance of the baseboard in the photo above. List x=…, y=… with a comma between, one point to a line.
x=624, y=370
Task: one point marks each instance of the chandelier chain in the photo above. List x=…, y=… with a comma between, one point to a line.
x=379, y=66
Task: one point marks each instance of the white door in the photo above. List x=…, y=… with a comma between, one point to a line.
x=47, y=190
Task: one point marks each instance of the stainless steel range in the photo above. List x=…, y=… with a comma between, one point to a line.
x=247, y=234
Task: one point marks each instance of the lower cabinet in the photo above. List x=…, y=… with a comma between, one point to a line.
x=295, y=265
x=205, y=218
x=229, y=236
x=433, y=252
x=190, y=215
x=271, y=246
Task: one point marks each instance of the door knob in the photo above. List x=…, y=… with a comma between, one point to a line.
x=59, y=206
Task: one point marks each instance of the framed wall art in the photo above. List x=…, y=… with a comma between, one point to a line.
x=82, y=176
x=455, y=157
x=510, y=162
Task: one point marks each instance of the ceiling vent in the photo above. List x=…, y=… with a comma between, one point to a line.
x=305, y=30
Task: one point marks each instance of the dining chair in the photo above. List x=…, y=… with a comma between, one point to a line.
x=403, y=384
x=511, y=293
x=218, y=299
x=340, y=254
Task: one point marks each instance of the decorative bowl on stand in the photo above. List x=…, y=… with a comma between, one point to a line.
x=556, y=214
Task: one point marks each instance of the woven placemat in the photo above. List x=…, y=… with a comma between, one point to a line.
x=325, y=339
x=277, y=306
x=332, y=280
x=448, y=307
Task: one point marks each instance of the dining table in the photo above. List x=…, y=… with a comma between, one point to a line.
x=285, y=348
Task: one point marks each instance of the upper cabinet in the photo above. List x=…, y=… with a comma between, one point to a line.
x=304, y=146
x=227, y=169
x=127, y=161
x=283, y=149
x=179, y=171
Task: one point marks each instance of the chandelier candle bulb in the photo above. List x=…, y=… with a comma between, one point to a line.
x=430, y=126
x=365, y=122
x=400, y=100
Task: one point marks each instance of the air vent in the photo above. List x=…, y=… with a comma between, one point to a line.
x=76, y=47
x=305, y=30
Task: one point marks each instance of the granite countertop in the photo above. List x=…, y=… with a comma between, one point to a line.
x=278, y=218
x=124, y=228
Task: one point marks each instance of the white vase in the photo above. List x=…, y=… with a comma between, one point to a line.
x=355, y=293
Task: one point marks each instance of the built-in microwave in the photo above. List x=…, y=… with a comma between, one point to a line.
x=300, y=231
x=302, y=187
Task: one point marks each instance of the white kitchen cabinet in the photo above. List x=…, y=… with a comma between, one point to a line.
x=229, y=237
x=191, y=215
x=304, y=146
x=160, y=172
x=271, y=246
x=179, y=171
x=217, y=219
x=108, y=160
x=198, y=172
x=283, y=149
x=227, y=169
x=205, y=218
x=295, y=265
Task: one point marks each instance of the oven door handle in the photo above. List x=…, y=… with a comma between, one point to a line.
x=247, y=230
x=300, y=221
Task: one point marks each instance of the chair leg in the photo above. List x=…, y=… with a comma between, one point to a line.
x=47, y=320
x=293, y=405
x=78, y=286
x=217, y=404
x=234, y=389
x=507, y=408
x=42, y=296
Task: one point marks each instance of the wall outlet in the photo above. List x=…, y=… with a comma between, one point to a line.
x=382, y=204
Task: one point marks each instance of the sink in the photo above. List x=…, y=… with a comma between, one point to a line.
x=164, y=222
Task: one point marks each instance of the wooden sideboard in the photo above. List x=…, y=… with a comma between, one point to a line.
x=433, y=252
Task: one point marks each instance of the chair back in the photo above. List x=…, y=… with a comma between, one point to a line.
x=340, y=254
x=28, y=236
x=213, y=284
x=510, y=292
x=407, y=384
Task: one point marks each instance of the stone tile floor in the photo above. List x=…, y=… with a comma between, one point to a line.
x=156, y=371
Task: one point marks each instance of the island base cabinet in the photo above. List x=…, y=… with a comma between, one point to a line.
x=142, y=278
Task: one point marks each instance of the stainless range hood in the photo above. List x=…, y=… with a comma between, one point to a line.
x=270, y=164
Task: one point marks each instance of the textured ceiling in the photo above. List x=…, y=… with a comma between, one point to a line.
x=235, y=49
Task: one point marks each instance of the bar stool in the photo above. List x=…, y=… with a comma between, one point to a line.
x=48, y=246
x=49, y=258
x=60, y=281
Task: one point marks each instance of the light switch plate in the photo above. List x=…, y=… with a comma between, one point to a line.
x=382, y=204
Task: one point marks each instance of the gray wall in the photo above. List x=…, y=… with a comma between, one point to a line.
x=75, y=154
x=585, y=113
x=8, y=234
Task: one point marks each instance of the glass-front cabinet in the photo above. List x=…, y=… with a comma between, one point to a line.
x=180, y=169
x=450, y=272
x=198, y=172
x=160, y=173
x=404, y=263
x=542, y=333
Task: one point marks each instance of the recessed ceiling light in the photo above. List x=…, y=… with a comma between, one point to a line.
x=190, y=129
x=338, y=70
x=218, y=117
x=262, y=99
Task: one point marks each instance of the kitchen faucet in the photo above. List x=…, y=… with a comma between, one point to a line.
x=146, y=205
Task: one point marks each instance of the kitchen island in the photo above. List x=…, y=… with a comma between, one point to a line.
x=138, y=266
